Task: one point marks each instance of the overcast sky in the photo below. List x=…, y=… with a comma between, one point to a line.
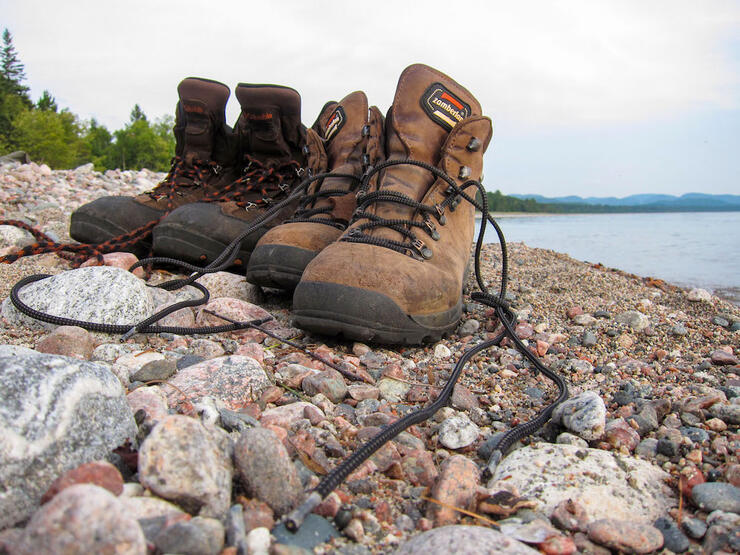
x=588, y=97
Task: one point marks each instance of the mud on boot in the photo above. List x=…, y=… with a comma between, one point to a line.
x=396, y=274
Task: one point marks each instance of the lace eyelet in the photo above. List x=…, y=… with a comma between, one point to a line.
x=474, y=145
x=464, y=172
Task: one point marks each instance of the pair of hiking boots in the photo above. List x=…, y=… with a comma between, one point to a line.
x=377, y=248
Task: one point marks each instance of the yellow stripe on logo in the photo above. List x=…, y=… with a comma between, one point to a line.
x=445, y=117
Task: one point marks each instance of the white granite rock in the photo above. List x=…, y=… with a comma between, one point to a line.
x=97, y=294
x=605, y=483
x=56, y=413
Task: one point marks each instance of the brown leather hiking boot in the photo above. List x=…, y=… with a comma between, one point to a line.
x=352, y=136
x=275, y=155
x=203, y=163
x=396, y=275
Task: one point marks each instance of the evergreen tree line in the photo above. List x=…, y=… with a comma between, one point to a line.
x=62, y=140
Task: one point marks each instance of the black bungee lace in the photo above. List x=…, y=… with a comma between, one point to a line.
x=416, y=248
x=505, y=315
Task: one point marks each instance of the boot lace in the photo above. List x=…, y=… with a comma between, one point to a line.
x=411, y=245
x=260, y=184
x=182, y=175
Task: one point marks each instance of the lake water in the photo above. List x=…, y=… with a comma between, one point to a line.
x=699, y=249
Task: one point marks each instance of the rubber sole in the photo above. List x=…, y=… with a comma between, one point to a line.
x=278, y=266
x=362, y=315
x=184, y=243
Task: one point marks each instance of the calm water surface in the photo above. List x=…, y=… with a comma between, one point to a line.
x=685, y=248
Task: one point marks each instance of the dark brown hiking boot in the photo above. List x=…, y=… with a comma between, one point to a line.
x=203, y=162
x=275, y=155
x=396, y=275
x=352, y=136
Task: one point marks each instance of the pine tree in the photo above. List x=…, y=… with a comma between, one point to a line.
x=47, y=103
x=13, y=72
x=137, y=114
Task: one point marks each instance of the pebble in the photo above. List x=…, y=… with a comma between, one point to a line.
x=634, y=319
x=621, y=535
x=721, y=357
x=155, y=370
x=392, y=390
x=442, y=352
x=100, y=294
x=235, y=286
x=56, y=413
x=98, y=473
x=620, y=435
x=329, y=382
x=456, y=486
x=122, y=260
x=315, y=530
x=468, y=327
x=673, y=539
x=70, y=341
x=265, y=468
x=698, y=294
x=606, y=484
x=198, y=536
x=450, y=539
x=82, y=519
x=716, y=496
x=694, y=527
x=583, y=414
x=182, y=461
x=233, y=379
x=458, y=431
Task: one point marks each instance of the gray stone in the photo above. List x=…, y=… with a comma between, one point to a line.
x=314, y=531
x=469, y=327
x=266, y=470
x=155, y=370
x=716, y=496
x=694, y=527
x=589, y=339
x=458, y=431
x=728, y=413
x=329, y=382
x=697, y=435
x=679, y=330
x=584, y=415
x=634, y=319
x=673, y=538
x=82, y=519
x=570, y=439
x=184, y=462
x=647, y=448
x=16, y=350
x=226, y=284
x=100, y=294
x=198, y=536
x=606, y=484
x=56, y=413
x=463, y=539
x=11, y=236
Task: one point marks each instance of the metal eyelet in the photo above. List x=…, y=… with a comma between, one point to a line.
x=217, y=169
x=249, y=205
x=441, y=218
x=474, y=145
x=433, y=233
x=306, y=151
x=284, y=187
x=464, y=172
x=365, y=130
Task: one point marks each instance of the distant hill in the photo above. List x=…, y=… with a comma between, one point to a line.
x=649, y=202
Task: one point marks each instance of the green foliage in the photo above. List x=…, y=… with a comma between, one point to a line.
x=49, y=137
x=142, y=145
x=12, y=69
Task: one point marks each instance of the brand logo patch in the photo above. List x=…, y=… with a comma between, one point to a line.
x=261, y=116
x=443, y=106
x=193, y=108
x=334, y=123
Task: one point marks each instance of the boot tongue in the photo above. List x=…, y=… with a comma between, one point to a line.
x=341, y=126
x=270, y=121
x=427, y=106
x=200, y=111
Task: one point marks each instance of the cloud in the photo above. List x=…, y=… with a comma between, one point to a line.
x=581, y=62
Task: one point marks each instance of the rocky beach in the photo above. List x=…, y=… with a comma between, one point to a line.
x=201, y=444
